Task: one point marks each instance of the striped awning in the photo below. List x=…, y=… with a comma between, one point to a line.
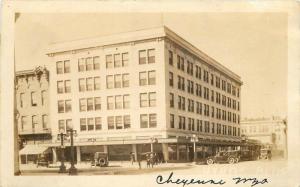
x=33, y=150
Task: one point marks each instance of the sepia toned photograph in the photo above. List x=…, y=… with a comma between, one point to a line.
x=170, y=95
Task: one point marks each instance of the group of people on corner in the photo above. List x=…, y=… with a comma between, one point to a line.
x=151, y=159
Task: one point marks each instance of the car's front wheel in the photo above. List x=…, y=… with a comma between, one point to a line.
x=231, y=160
x=209, y=161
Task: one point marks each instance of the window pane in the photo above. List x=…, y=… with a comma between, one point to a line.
x=96, y=60
x=143, y=78
x=126, y=121
x=119, y=122
x=89, y=64
x=151, y=56
x=34, y=122
x=152, y=120
x=97, y=83
x=82, y=124
x=118, y=102
x=98, y=124
x=118, y=81
x=81, y=64
x=144, y=121
x=126, y=101
x=125, y=59
x=117, y=59
x=61, y=125
x=89, y=84
x=68, y=106
x=142, y=57
x=109, y=62
x=82, y=103
x=110, y=122
x=81, y=85
x=110, y=103
x=125, y=80
x=61, y=107
x=152, y=99
x=151, y=77
x=68, y=86
x=59, y=67
x=97, y=103
x=90, y=104
x=33, y=99
x=90, y=124
x=143, y=100
x=69, y=124
x=67, y=66
x=109, y=81
x=60, y=87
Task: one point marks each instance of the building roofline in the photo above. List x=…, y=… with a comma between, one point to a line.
x=30, y=71
x=138, y=35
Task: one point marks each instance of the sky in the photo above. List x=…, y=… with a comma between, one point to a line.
x=253, y=45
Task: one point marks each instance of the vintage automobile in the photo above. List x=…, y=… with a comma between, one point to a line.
x=230, y=157
x=100, y=159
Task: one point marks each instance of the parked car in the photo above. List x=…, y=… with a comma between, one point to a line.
x=42, y=161
x=230, y=157
x=100, y=159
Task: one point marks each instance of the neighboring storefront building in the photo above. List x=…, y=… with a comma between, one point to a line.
x=271, y=132
x=141, y=91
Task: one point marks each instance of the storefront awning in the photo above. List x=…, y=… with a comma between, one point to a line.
x=33, y=150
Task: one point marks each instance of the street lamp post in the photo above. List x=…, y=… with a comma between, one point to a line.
x=72, y=169
x=62, y=168
x=194, y=139
x=153, y=140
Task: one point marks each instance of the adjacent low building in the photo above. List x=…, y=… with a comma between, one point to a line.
x=146, y=90
x=271, y=132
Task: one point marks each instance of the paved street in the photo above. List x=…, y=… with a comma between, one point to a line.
x=258, y=167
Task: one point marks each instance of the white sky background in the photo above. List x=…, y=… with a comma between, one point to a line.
x=253, y=45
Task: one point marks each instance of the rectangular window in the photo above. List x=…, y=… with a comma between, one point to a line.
x=23, y=122
x=33, y=99
x=144, y=121
x=59, y=67
x=96, y=62
x=125, y=80
x=45, y=121
x=152, y=99
x=117, y=60
x=61, y=106
x=171, y=79
x=110, y=122
x=125, y=59
x=118, y=102
x=82, y=105
x=126, y=101
x=109, y=81
x=82, y=124
x=151, y=78
x=90, y=123
x=126, y=121
x=109, y=62
x=151, y=56
x=69, y=125
x=60, y=87
x=142, y=57
x=143, y=78
x=90, y=104
x=143, y=99
x=22, y=100
x=81, y=85
x=61, y=125
x=81, y=64
x=96, y=83
x=110, y=103
x=89, y=84
x=152, y=120
x=68, y=105
x=67, y=86
x=98, y=123
x=119, y=122
x=97, y=101
x=171, y=58
x=118, y=81
x=172, y=124
x=89, y=64
x=171, y=100
x=67, y=66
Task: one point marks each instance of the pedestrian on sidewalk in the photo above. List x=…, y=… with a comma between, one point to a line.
x=131, y=157
x=139, y=161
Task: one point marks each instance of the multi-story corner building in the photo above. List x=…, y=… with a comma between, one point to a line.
x=32, y=106
x=271, y=132
x=141, y=91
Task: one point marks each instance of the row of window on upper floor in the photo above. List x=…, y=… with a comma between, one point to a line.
x=34, y=122
x=206, y=127
x=202, y=74
x=33, y=97
x=111, y=60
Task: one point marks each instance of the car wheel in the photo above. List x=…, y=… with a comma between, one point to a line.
x=209, y=161
x=236, y=160
x=101, y=162
x=231, y=160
